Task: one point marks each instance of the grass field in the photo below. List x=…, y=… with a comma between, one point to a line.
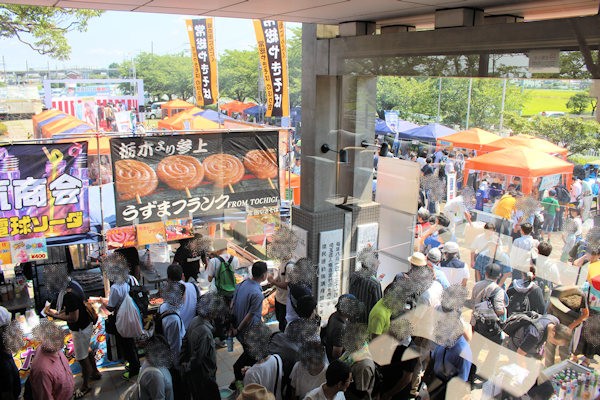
x=539, y=100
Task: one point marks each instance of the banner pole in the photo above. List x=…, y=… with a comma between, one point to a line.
x=102, y=241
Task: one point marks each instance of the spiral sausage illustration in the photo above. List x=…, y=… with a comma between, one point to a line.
x=180, y=172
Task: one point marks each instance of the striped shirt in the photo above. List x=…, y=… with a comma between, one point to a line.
x=367, y=290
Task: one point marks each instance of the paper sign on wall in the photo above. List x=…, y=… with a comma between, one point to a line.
x=26, y=250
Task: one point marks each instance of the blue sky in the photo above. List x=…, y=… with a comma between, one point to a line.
x=116, y=36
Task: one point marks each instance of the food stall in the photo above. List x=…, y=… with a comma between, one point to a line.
x=535, y=168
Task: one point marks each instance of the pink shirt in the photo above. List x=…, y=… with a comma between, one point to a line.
x=51, y=377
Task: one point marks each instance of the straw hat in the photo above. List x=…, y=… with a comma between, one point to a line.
x=418, y=259
x=254, y=391
x=5, y=316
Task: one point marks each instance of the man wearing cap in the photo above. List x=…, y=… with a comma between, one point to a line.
x=434, y=257
x=551, y=207
x=11, y=382
x=456, y=270
x=489, y=289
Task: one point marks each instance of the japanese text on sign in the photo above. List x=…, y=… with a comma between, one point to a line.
x=270, y=36
x=330, y=254
x=201, y=35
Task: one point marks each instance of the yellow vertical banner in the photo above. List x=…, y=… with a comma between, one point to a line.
x=270, y=38
x=202, y=41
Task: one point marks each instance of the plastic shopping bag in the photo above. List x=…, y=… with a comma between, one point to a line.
x=129, y=319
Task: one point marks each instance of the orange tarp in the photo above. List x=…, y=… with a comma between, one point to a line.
x=473, y=138
x=57, y=127
x=186, y=120
x=235, y=106
x=528, y=141
x=287, y=179
x=519, y=161
x=43, y=116
x=175, y=106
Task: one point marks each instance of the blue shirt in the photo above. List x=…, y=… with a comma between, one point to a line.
x=455, y=361
x=248, y=299
x=440, y=276
x=483, y=260
x=174, y=331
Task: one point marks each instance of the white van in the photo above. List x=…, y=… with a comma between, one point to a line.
x=154, y=111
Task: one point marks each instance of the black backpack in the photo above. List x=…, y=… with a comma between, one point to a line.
x=487, y=323
x=518, y=302
x=140, y=297
x=518, y=321
x=158, y=321
x=562, y=195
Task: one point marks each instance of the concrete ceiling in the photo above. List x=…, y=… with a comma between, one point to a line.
x=384, y=12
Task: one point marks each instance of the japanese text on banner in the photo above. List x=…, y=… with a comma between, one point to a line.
x=43, y=190
x=270, y=38
x=158, y=178
x=201, y=35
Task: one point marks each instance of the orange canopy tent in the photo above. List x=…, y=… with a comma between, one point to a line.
x=186, y=120
x=473, y=138
x=528, y=141
x=291, y=181
x=44, y=118
x=175, y=106
x=519, y=161
x=235, y=106
x=68, y=124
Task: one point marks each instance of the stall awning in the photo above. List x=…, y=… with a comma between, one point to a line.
x=473, y=138
x=531, y=142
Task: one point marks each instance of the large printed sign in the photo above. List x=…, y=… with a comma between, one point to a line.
x=43, y=190
x=184, y=176
x=202, y=40
x=270, y=37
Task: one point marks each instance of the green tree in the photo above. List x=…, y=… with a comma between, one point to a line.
x=294, y=53
x=43, y=29
x=169, y=74
x=238, y=74
x=113, y=70
x=576, y=134
x=578, y=103
x=572, y=66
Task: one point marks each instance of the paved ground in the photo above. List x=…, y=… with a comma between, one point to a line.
x=112, y=384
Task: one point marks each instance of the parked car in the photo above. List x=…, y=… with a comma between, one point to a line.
x=552, y=114
x=154, y=111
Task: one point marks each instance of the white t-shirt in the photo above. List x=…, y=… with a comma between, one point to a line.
x=432, y=297
x=265, y=374
x=456, y=275
x=303, y=382
x=214, y=263
x=317, y=394
x=480, y=242
x=455, y=209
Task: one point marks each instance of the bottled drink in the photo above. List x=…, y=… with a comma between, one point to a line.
x=229, y=342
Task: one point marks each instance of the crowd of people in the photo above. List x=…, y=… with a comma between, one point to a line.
x=498, y=291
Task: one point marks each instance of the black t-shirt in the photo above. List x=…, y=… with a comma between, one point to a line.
x=73, y=301
x=10, y=382
x=394, y=371
x=333, y=334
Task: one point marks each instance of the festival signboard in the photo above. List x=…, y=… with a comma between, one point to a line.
x=43, y=190
x=202, y=40
x=179, y=229
x=124, y=236
x=272, y=51
x=158, y=178
x=25, y=250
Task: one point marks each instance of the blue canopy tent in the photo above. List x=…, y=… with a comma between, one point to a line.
x=214, y=116
x=427, y=133
x=255, y=111
x=382, y=128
